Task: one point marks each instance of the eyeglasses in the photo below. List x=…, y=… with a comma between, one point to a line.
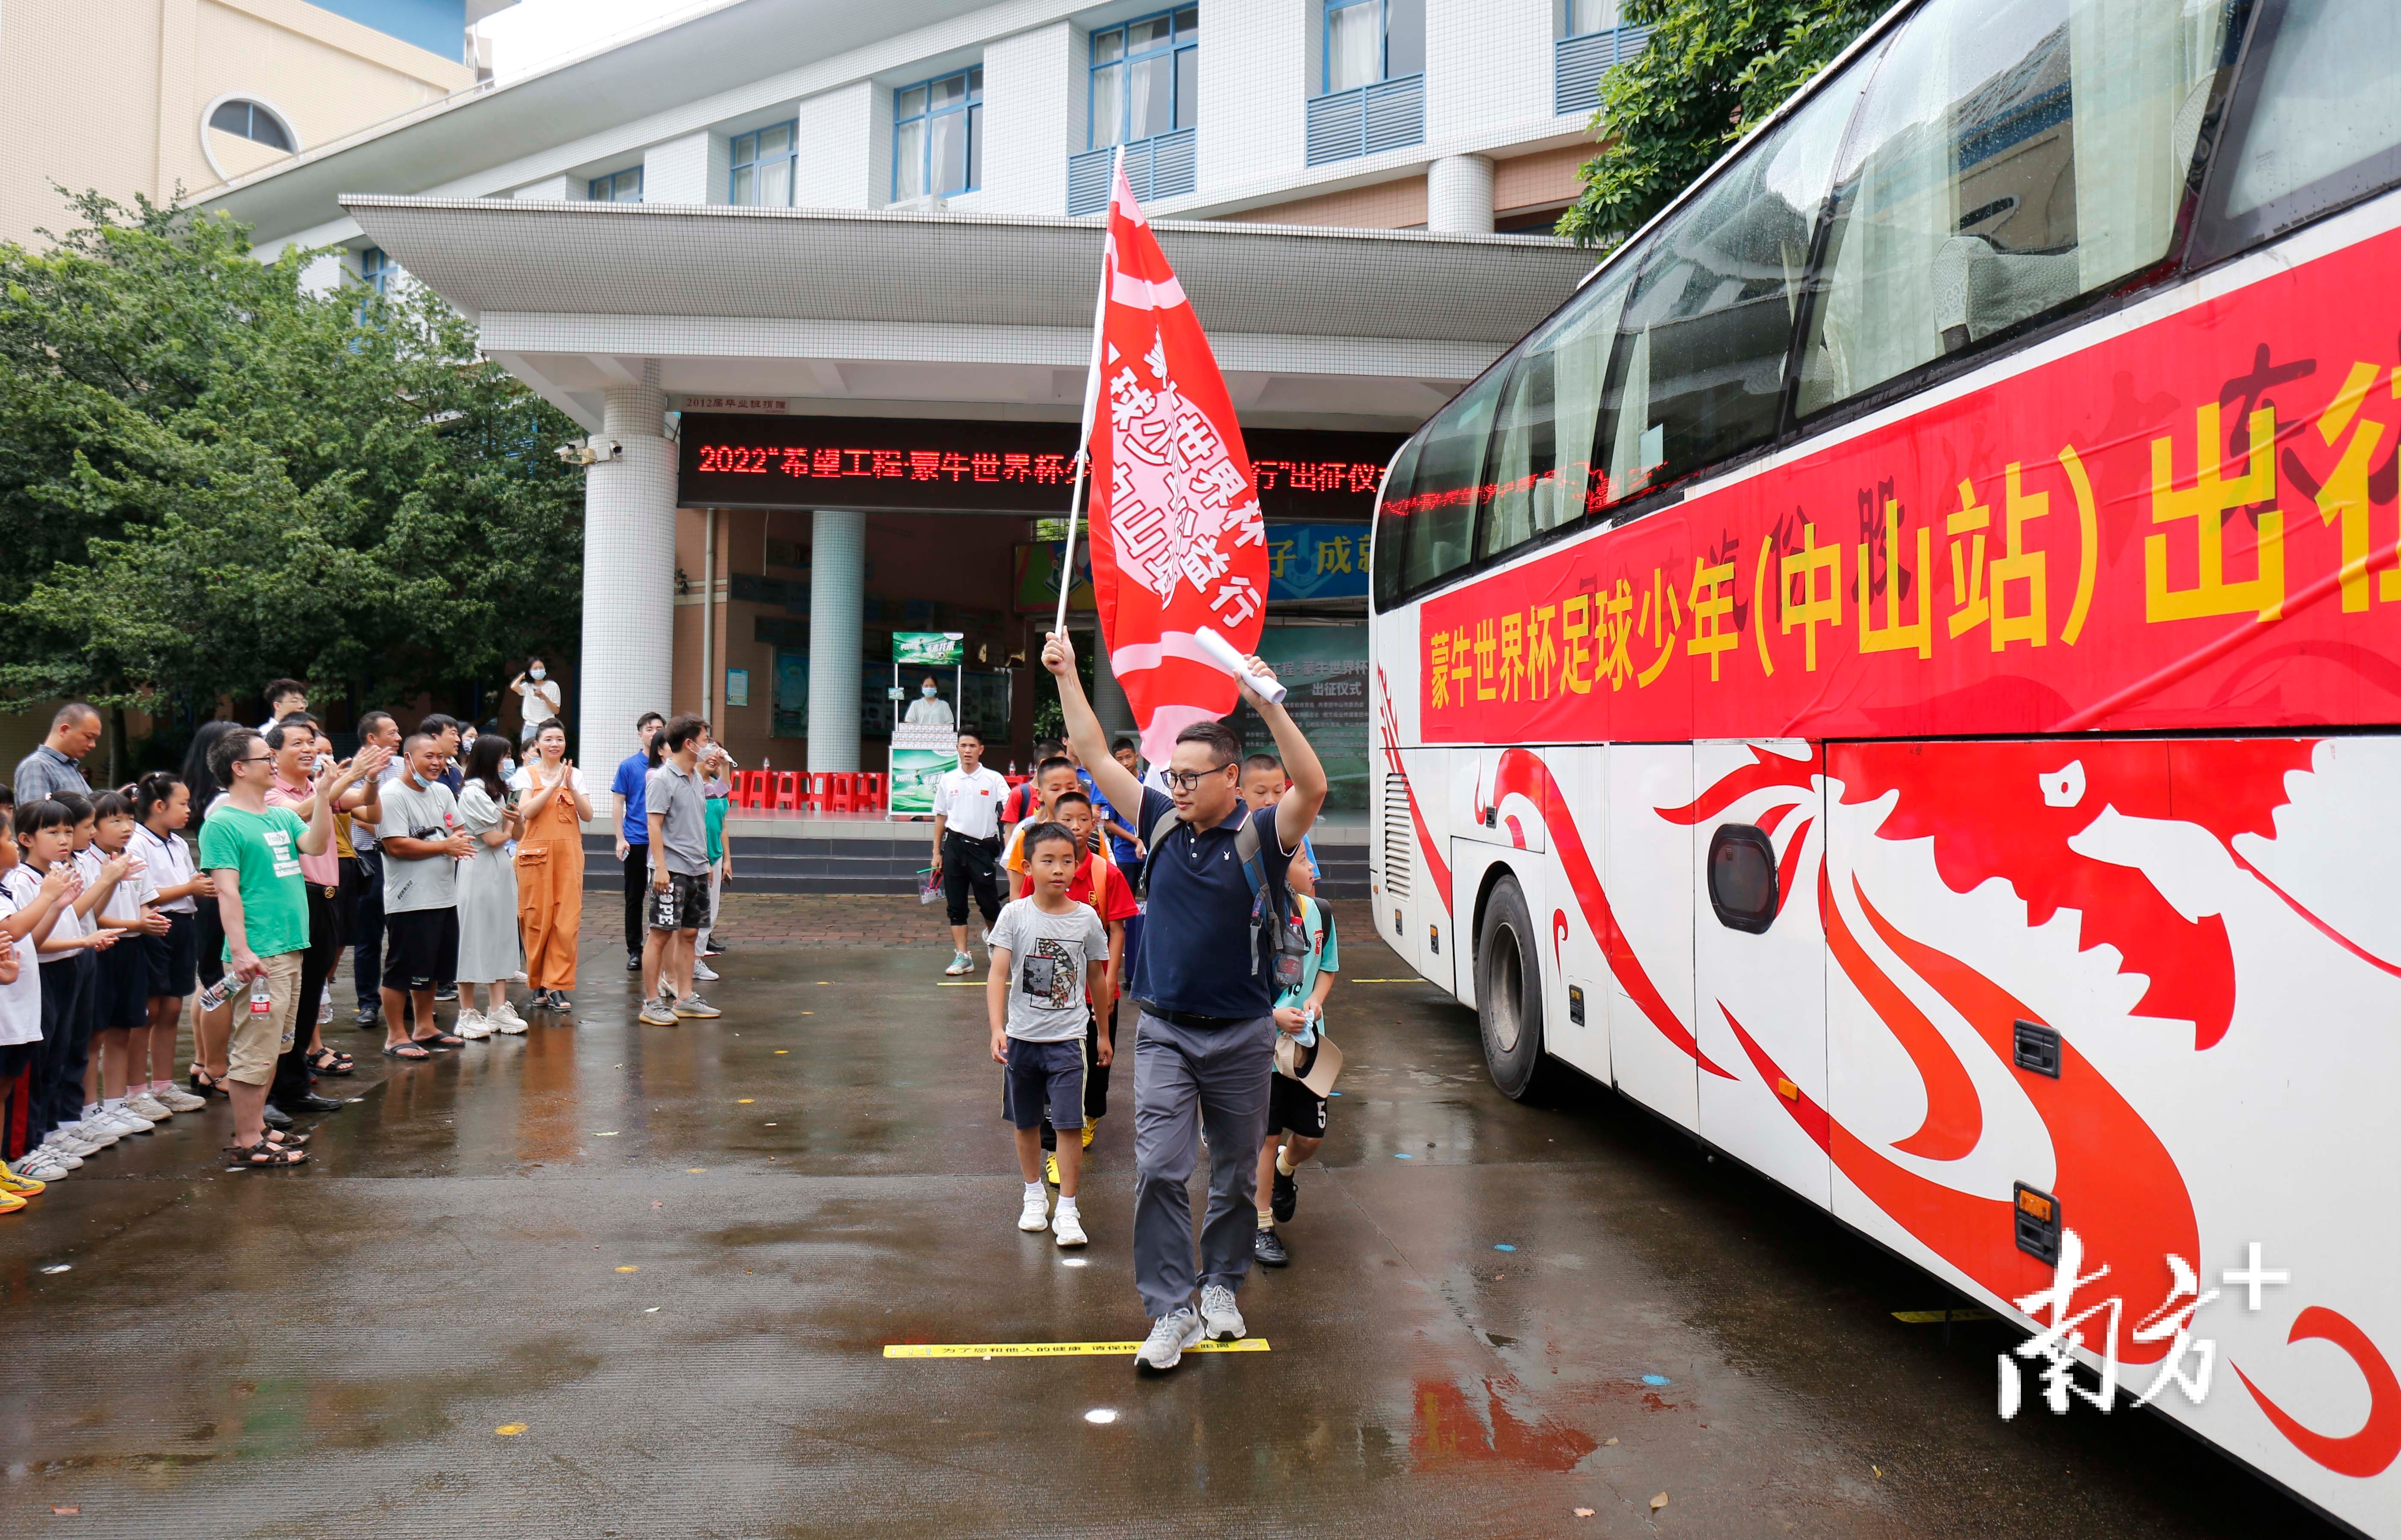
x=257, y=759
x=1188, y=781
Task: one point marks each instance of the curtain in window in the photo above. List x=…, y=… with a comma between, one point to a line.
x=2331, y=99
x=2142, y=72
x=1354, y=46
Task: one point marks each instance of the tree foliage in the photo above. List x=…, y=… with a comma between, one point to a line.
x=212, y=476
x=1711, y=70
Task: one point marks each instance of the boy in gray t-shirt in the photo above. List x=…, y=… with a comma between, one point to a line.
x=1049, y=955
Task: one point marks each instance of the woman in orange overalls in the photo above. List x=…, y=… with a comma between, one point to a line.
x=552, y=807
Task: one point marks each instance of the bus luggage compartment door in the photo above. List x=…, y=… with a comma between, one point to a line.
x=1410, y=883
x=1647, y=879
x=1758, y=956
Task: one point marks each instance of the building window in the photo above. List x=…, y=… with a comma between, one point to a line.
x=624, y=186
x=763, y=167
x=251, y=121
x=1146, y=77
x=376, y=269
x=937, y=136
x=1583, y=18
x=1372, y=40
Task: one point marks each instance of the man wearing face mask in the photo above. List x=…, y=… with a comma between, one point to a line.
x=539, y=696
x=929, y=709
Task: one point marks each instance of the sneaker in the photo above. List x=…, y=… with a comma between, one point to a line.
x=559, y=1000
x=1033, y=1214
x=1284, y=1199
x=445, y=993
x=506, y=1019
x=1267, y=1249
x=126, y=1119
x=17, y=1182
x=1051, y=1166
x=1170, y=1335
x=1067, y=1228
x=1218, y=1313
x=10, y=1202
x=146, y=1106
x=960, y=964
x=44, y=1166
x=472, y=1024
x=633, y=962
x=703, y=973
x=84, y=1138
x=655, y=1014
x=368, y=1018
x=174, y=1098
x=694, y=1008
x=1090, y=1128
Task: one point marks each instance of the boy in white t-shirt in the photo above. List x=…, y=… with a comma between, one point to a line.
x=1049, y=956
x=21, y=1025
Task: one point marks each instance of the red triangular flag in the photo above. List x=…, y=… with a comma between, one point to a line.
x=1177, y=540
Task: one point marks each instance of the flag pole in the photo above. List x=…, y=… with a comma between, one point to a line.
x=1091, y=402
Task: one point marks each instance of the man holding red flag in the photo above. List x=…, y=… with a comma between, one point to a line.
x=1178, y=549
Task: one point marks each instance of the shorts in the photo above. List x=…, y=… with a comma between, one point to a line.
x=420, y=947
x=260, y=1037
x=1292, y=1107
x=122, y=987
x=1043, y=1077
x=682, y=905
x=174, y=957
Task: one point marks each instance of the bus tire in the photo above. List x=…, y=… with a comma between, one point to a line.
x=1509, y=993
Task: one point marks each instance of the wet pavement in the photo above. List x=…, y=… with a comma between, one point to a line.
x=607, y=1280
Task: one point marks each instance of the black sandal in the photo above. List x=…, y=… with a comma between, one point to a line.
x=334, y=1063
x=264, y=1154
x=203, y=1086
x=439, y=1040
x=288, y=1141
x=400, y=1050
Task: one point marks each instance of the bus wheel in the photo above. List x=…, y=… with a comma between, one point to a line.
x=1509, y=993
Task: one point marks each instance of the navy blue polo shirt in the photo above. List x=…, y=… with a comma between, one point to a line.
x=1196, y=950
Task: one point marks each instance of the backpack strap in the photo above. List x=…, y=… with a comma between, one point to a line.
x=1159, y=832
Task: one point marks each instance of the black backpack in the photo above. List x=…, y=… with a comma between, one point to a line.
x=1275, y=927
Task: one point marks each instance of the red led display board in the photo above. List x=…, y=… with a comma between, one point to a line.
x=909, y=466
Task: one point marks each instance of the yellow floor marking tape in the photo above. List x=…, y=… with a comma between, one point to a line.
x=1935, y=1317
x=963, y=983
x=1054, y=1350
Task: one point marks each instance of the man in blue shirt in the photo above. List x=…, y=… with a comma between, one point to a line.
x=634, y=834
x=1206, y=1039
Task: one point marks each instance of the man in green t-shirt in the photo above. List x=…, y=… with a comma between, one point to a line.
x=252, y=853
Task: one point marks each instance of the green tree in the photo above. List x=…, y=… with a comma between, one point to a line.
x=212, y=476
x=1711, y=70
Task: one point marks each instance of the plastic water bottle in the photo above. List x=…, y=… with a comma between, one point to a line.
x=1308, y=1038
x=217, y=994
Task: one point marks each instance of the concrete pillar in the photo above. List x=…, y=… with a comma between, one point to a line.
x=1109, y=696
x=1458, y=195
x=837, y=600
x=628, y=575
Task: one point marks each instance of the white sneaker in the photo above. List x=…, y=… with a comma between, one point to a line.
x=1170, y=1335
x=146, y=1106
x=471, y=1025
x=73, y=1143
x=1035, y=1215
x=93, y=1132
x=1219, y=1315
x=126, y=1119
x=44, y=1166
x=176, y=1099
x=1068, y=1229
x=506, y=1019
x=960, y=964
x=701, y=971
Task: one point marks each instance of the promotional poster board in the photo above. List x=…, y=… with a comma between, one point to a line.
x=921, y=756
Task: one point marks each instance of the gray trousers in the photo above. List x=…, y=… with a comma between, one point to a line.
x=1185, y=1079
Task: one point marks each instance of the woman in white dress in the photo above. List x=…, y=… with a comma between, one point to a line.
x=487, y=895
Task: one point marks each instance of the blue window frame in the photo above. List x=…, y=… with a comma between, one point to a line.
x=1145, y=78
x=763, y=167
x=252, y=122
x=1370, y=40
x=624, y=186
x=937, y=136
x=1584, y=17
x=376, y=269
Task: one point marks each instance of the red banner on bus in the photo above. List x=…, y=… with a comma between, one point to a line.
x=2189, y=525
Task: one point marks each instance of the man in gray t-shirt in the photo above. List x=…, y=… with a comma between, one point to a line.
x=678, y=903
x=422, y=842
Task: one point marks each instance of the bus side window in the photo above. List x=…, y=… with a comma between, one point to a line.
x=1542, y=458
x=2011, y=154
x=2323, y=124
x=1698, y=373
x=1392, y=524
x=1448, y=484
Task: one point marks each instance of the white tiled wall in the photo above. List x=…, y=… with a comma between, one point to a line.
x=1488, y=63
x=1032, y=110
x=690, y=169
x=554, y=188
x=839, y=168
x=1254, y=86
